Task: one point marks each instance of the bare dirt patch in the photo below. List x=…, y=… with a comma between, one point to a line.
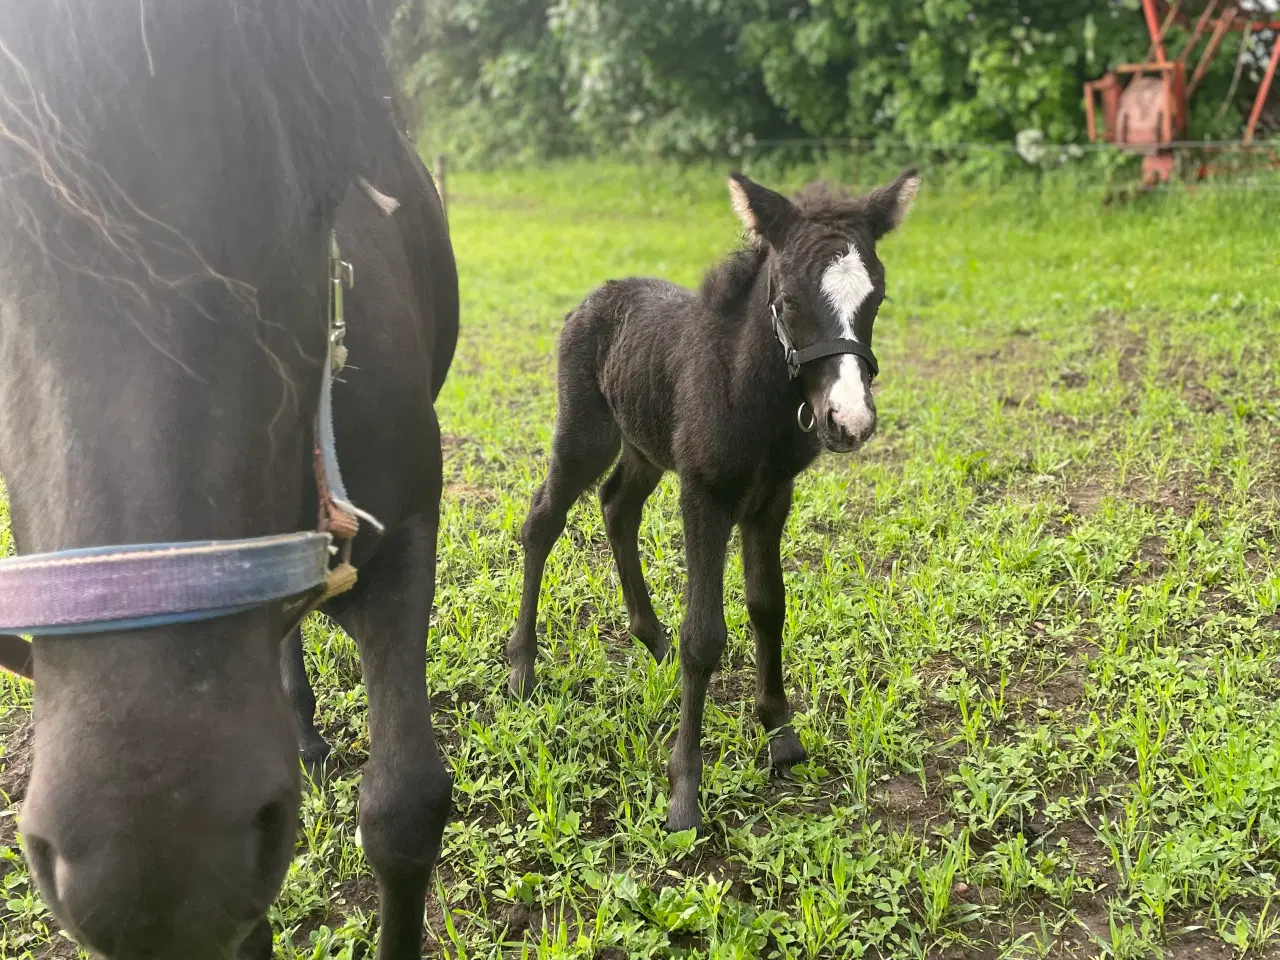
x=1086, y=498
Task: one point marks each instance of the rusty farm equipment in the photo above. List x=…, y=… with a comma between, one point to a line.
x=1148, y=113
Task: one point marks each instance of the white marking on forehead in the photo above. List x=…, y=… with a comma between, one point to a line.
x=847, y=285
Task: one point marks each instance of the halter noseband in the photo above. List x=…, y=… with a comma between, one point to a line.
x=104, y=589
x=815, y=351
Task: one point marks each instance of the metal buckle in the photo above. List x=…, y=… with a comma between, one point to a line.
x=788, y=351
x=341, y=277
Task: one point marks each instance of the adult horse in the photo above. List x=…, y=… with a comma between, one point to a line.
x=169, y=176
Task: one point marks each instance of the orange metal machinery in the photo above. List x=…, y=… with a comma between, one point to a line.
x=1148, y=115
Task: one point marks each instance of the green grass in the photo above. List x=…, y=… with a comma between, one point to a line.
x=1031, y=632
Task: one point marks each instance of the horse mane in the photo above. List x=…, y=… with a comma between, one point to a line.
x=727, y=285
x=289, y=95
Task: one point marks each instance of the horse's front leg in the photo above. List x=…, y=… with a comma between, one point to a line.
x=707, y=525
x=258, y=945
x=767, y=606
x=406, y=791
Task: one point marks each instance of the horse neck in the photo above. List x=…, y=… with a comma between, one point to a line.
x=758, y=337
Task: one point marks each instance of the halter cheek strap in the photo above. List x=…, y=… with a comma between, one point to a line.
x=815, y=351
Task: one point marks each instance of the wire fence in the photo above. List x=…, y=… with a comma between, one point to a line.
x=1214, y=166
x=1208, y=166
x=1004, y=147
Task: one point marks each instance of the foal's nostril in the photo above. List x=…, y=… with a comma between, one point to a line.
x=273, y=829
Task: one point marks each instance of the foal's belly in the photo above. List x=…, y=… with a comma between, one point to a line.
x=647, y=436
x=643, y=414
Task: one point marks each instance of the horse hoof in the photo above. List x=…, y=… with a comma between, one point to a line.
x=785, y=751
x=654, y=638
x=258, y=945
x=521, y=683
x=315, y=762
x=684, y=815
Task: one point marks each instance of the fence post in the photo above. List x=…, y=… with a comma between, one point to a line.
x=441, y=188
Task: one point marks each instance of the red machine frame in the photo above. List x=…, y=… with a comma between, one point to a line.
x=1139, y=117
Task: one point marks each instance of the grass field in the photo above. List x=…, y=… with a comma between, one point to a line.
x=1032, y=629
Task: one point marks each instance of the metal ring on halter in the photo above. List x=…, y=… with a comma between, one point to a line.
x=813, y=421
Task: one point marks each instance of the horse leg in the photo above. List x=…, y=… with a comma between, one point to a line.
x=707, y=525
x=585, y=443
x=406, y=790
x=767, y=607
x=297, y=688
x=258, y=944
x=622, y=499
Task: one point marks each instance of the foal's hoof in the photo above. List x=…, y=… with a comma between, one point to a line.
x=785, y=751
x=521, y=682
x=683, y=815
x=655, y=640
x=315, y=762
x=662, y=653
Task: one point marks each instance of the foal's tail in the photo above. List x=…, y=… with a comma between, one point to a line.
x=585, y=341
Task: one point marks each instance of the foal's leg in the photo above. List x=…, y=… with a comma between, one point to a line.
x=585, y=443
x=406, y=791
x=707, y=525
x=622, y=499
x=297, y=688
x=767, y=606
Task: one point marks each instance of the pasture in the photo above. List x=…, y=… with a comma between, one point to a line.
x=1031, y=635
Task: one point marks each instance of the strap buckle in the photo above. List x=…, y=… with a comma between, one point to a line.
x=788, y=350
x=341, y=278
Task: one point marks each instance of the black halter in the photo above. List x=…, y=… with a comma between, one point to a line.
x=815, y=351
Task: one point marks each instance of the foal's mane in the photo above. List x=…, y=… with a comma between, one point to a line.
x=727, y=285
x=91, y=89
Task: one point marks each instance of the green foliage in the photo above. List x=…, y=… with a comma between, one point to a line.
x=664, y=76
x=503, y=80
x=941, y=71
x=487, y=75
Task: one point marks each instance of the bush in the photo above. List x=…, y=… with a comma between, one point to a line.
x=499, y=81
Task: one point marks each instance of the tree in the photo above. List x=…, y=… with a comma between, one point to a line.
x=498, y=80
x=940, y=71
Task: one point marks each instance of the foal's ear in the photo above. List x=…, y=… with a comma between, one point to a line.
x=888, y=206
x=766, y=215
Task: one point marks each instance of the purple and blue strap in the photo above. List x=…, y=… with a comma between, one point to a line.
x=105, y=589
x=102, y=589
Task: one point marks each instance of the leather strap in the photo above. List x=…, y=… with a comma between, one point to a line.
x=831, y=348
x=815, y=351
x=102, y=589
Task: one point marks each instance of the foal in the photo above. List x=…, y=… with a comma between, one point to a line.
x=736, y=388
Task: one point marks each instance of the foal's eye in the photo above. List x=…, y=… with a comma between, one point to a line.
x=788, y=302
